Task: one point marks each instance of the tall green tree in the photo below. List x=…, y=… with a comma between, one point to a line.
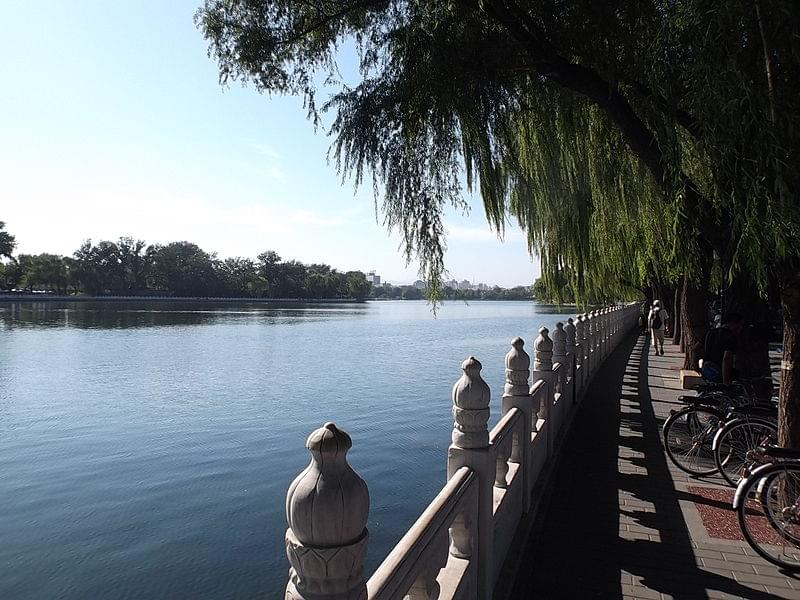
x=185, y=269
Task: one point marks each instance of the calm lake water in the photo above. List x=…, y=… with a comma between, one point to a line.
x=146, y=448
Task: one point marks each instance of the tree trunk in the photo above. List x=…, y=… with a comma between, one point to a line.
x=694, y=320
x=752, y=353
x=676, y=314
x=789, y=396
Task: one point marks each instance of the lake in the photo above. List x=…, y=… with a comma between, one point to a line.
x=146, y=447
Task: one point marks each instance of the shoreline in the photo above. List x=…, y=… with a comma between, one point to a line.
x=208, y=299
x=11, y=298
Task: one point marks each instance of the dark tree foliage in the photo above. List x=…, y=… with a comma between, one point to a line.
x=410, y=292
x=623, y=136
x=130, y=267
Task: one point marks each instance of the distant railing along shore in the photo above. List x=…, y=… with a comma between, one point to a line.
x=458, y=547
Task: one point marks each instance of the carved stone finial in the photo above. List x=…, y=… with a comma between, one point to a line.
x=327, y=506
x=518, y=365
x=559, y=340
x=543, y=347
x=580, y=328
x=471, y=397
x=571, y=330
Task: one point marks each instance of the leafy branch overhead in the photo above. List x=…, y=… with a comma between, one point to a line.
x=631, y=141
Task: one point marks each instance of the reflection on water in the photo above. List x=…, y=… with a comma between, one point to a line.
x=126, y=314
x=146, y=447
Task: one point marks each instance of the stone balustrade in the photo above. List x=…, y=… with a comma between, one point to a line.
x=457, y=547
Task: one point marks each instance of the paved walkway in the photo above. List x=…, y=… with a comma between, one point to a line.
x=620, y=521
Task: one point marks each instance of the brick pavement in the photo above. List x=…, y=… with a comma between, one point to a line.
x=619, y=521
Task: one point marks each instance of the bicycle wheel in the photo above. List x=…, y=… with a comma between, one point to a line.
x=734, y=445
x=768, y=507
x=688, y=436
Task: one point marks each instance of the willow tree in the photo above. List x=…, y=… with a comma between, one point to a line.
x=632, y=141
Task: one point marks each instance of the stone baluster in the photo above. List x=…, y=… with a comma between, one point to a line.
x=572, y=354
x=583, y=341
x=426, y=586
x=516, y=394
x=327, y=507
x=598, y=339
x=591, y=332
x=603, y=334
x=614, y=325
x=560, y=356
x=470, y=448
x=543, y=370
x=501, y=464
x=579, y=369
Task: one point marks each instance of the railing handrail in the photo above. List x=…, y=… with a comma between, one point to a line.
x=401, y=561
x=505, y=427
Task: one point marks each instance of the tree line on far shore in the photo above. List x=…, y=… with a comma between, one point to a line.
x=409, y=292
x=132, y=267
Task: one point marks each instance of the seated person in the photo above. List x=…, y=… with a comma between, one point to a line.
x=720, y=349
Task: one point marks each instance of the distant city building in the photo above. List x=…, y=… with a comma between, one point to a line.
x=452, y=284
x=465, y=285
x=373, y=278
x=419, y=284
x=482, y=287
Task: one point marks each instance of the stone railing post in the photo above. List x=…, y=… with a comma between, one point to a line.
x=560, y=355
x=572, y=354
x=606, y=330
x=543, y=369
x=598, y=340
x=583, y=341
x=614, y=324
x=470, y=448
x=516, y=394
x=600, y=335
x=591, y=333
x=327, y=507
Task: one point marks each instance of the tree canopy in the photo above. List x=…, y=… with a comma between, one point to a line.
x=132, y=267
x=631, y=141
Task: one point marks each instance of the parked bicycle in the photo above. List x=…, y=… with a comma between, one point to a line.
x=736, y=443
x=689, y=434
x=767, y=503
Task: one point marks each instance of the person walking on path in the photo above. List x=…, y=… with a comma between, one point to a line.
x=657, y=323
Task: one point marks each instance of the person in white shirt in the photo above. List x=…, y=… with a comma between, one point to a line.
x=657, y=323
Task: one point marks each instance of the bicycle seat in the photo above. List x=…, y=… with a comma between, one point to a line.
x=778, y=452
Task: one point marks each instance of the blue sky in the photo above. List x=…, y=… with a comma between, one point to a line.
x=113, y=123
